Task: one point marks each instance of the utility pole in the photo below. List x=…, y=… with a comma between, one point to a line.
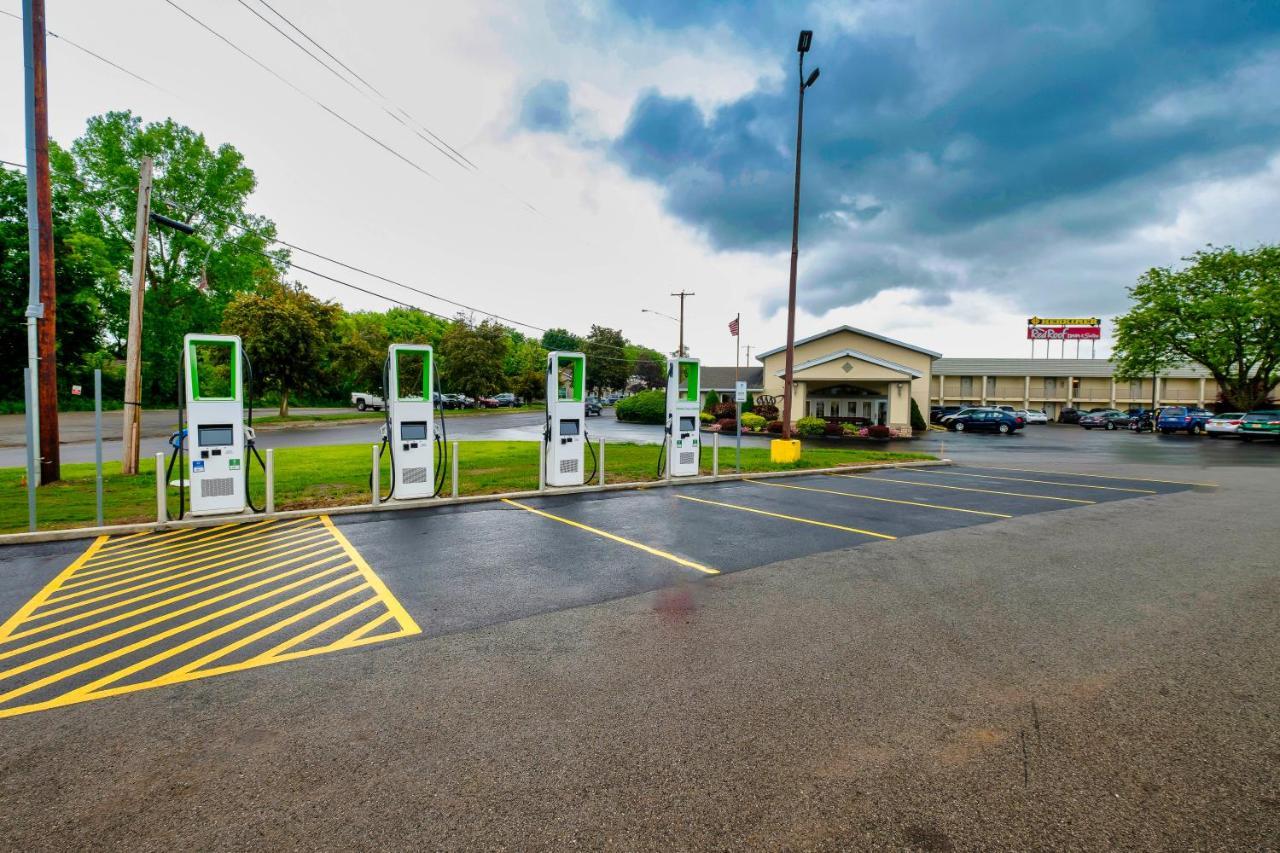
x=43, y=296
x=682, y=294
x=133, y=356
x=802, y=47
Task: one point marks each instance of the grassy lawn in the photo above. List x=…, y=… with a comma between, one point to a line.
x=339, y=474
x=371, y=416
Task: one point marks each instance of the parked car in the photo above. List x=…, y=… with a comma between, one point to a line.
x=591, y=407
x=1032, y=416
x=1108, y=419
x=1260, y=423
x=1223, y=425
x=486, y=402
x=1178, y=418
x=985, y=420
x=1069, y=416
x=363, y=401
x=937, y=413
x=506, y=398
x=947, y=419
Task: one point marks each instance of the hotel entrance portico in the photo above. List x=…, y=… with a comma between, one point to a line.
x=849, y=403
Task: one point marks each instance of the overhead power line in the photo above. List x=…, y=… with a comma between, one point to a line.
x=448, y=151
x=357, y=128
x=96, y=56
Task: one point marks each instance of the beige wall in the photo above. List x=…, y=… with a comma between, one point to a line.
x=830, y=372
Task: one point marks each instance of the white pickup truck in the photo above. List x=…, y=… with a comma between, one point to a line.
x=363, y=401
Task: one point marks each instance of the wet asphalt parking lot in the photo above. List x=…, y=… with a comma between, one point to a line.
x=817, y=661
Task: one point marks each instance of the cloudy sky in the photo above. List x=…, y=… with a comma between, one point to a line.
x=966, y=164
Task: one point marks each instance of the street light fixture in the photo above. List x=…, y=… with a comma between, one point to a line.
x=802, y=47
x=672, y=319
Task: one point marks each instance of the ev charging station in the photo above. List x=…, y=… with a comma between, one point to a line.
x=216, y=433
x=565, y=432
x=684, y=401
x=410, y=428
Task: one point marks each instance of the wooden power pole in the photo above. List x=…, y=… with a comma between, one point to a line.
x=133, y=356
x=682, y=294
x=38, y=190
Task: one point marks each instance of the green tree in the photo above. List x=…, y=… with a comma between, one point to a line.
x=286, y=333
x=561, y=340
x=650, y=366
x=710, y=400
x=917, y=419
x=191, y=279
x=88, y=290
x=1222, y=311
x=525, y=369
x=471, y=357
x=607, y=365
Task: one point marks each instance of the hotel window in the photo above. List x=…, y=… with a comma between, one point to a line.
x=966, y=386
x=991, y=386
x=819, y=409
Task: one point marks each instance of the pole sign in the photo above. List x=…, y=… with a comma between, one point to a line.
x=1064, y=333
x=740, y=391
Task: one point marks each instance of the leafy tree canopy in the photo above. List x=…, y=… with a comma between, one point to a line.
x=471, y=357
x=1222, y=311
x=562, y=340
x=607, y=364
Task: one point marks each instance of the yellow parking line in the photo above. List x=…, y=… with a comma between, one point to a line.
x=308, y=541
x=654, y=551
x=962, y=488
x=1105, y=476
x=38, y=599
x=788, y=517
x=163, y=602
x=393, y=604
x=164, y=543
x=874, y=498
x=166, y=555
x=372, y=625
x=1041, y=482
x=313, y=631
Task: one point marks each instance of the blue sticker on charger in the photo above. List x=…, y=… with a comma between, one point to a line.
x=197, y=466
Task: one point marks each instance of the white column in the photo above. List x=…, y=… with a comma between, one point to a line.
x=1113, y=392
x=1071, y=392
x=1201, y=403
x=942, y=390
x=1026, y=391
x=1158, y=387
x=984, y=390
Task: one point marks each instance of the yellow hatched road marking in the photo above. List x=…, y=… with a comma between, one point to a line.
x=1041, y=482
x=875, y=498
x=193, y=543
x=102, y=570
x=231, y=571
x=963, y=488
x=638, y=545
x=141, y=626
x=309, y=541
x=1104, y=476
x=788, y=517
x=300, y=576
x=25, y=610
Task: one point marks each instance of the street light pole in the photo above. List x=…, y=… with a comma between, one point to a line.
x=802, y=47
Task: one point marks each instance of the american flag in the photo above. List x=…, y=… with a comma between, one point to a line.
x=733, y=327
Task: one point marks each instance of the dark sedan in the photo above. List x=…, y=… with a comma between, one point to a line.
x=985, y=420
x=1108, y=419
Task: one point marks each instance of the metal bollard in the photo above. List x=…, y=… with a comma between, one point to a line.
x=162, y=510
x=602, y=461
x=271, y=482
x=375, y=476
x=455, y=469
x=542, y=466
x=97, y=439
x=715, y=454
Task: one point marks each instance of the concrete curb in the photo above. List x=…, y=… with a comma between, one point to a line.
x=73, y=533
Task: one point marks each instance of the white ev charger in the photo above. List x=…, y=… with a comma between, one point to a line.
x=409, y=430
x=565, y=434
x=684, y=396
x=215, y=431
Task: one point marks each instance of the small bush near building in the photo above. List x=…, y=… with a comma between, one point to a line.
x=833, y=428
x=728, y=425
x=917, y=419
x=725, y=410
x=750, y=405
x=852, y=429
x=811, y=427
x=878, y=431
x=647, y=407
x=707, y=417
x=709, y=401
x=775, y=427
x=765, y=410
x=752, y=421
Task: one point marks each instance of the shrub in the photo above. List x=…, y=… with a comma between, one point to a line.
x=750, y=404
x=917, y=419
x=725, y=410
x=775, y=427
x=767, y=411
x=849, y=429
x=751, y=421
x=647, y=407
x=810, y=427
x=879, y=431
x=706, y=417
x=710, y=400
x=728, y=425
x=833, y=428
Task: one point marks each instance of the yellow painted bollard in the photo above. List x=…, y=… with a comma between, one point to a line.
x=783, y=450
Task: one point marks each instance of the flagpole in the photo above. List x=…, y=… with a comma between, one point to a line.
x=737, y=348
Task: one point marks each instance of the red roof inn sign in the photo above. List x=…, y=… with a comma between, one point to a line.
x=1064, y=328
